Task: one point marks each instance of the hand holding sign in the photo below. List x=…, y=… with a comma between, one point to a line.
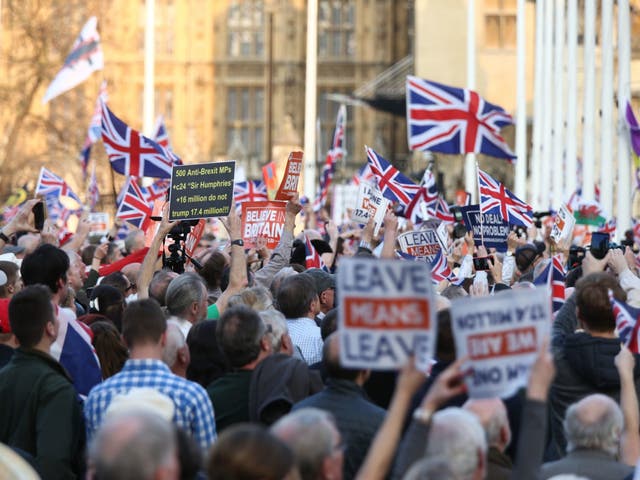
x=448, y=384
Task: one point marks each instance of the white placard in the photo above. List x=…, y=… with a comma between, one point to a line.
x=420, y=243
x=387, y=313
x=370, y=202
x=562, y=230
x=501, y=335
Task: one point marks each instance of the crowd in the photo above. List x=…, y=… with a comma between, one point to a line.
x=115, y=368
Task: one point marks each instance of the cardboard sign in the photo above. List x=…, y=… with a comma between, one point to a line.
x=99, y=222
x=201, y=191
x=423, y=244
x=370, y=202
x=262, y=219
x=193, y=238
x=501, y=335
x=289, y=184
x=562, y=230
x=495, y=229
x=345, y=197
x=387, y=313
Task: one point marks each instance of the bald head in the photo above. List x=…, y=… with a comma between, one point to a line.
x=492, y=414
x=595, y=422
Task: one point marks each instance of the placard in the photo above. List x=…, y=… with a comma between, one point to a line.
x=443, y=236
x=289, y=185
x=263, y=219
x=562, y=230
x=495, y=229
x=99, y=222
x=501, y=335
x=370, y=202
x=193, y=238
x=423, y=244
x=387, y=313
x=201, y=191
x=345, y=197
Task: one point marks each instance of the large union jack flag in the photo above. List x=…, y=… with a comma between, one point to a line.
x=440, y=269
x=157, y=190
x=553, y=275
x=49, y=182
x=335, y=153
x=392, y=183
x=130, y=153
x=496, y=199
x=454, y=120
x=627, y=323
x=312, y=257
x=250, y=191
x=133, y=207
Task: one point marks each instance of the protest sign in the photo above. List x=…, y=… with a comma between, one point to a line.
x=495, y=229
x=562, y=230
x=262, y=219
x=201, y=191
x=501, y=335
x=370, y=203
x=193, y=238
x=423, y=244
x=387, y=313
x=443, y=236
x=289, y=184
x=345, y=197
x=99, y=222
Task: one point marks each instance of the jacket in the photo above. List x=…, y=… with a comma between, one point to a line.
x=40, y=414
x=357, y=418
x=594, y=464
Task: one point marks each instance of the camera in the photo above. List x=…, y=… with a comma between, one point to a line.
x=600, y=245
x=177, y=254
x=576, y=255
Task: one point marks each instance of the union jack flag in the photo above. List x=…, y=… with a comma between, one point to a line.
x=364, y=174
x=250, y=191
x=313, y=258
x=130, y=153
x=49, y=182
x=161, y=136
x=442, y=212
x=609, y=227
x=393, y=184
x=454, y=120
x=335, y=153
x=627, y=323
x=553, y=275
x=133, y=207
x=440, y=269
x=156, y=190
x=93, y=194
x=496, y=199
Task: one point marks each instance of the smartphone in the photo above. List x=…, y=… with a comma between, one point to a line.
x=39, y=215
x=482, y=263
x=599, y=244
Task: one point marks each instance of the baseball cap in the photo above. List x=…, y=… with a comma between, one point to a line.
x=322, y=279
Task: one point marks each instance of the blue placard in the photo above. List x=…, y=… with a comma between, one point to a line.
x=495, y=229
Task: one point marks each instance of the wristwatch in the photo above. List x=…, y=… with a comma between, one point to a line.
x=238, y=242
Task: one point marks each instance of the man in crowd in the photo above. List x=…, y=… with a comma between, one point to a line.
x=357, y=418
x=244, y=340
x=298, y=301
x=186, y=300
x=40, y=414
x=326, y=290
x=176, y=351
x=144, y=332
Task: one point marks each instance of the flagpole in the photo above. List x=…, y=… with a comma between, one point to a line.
x=588, y=131
x=606, y=124
x=624, y=166
x=571, y=161
x=479, y=202
x=521, y=102
x=537, y=107
x=547, y=119
x=310, y=98
x=149, y=68
x=470, y=158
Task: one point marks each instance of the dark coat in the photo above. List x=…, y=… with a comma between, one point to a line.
x=593, y=464
x=40, y=414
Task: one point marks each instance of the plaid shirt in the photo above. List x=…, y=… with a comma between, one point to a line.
x=305, y=335
x=193, y=409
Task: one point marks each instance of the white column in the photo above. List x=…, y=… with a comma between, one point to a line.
x=149, y=68
x=606, y=124
x=310, y=95
x=548, y=98
x=558, y=107
x=588, y=130
x=470, y=174
x=521, y=104
x=571, y=161
x=624, y=94
x=536, y=157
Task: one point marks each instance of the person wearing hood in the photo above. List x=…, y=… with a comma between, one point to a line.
x=584, y=345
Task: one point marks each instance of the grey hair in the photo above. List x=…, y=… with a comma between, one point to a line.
x=131, y=238
x=258, y=298
x=184, y=290
x=278, y=327
x=429, y=468
x=280, y=275
x=310, y=433
x=132, y=446
x=492, y=414
x=586, y=427
x=175, y=341
x=457, y=435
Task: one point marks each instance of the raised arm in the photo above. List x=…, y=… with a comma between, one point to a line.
x=390, y=233
x=238, y=268
x=630, y=440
